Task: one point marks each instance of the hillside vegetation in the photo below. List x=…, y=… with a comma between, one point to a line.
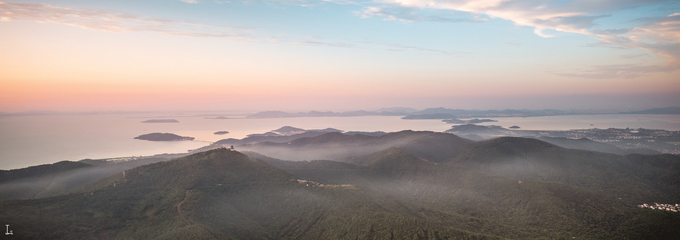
x=61, y=177
x=406, y=185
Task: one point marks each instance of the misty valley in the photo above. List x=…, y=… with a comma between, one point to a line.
x=293, y=183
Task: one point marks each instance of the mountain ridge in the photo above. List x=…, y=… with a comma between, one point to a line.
x=507, y=187
x=219, y=194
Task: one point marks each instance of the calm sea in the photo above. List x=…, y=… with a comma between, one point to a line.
x=33, y=140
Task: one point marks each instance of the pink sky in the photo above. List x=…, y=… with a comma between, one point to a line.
x=65, y=57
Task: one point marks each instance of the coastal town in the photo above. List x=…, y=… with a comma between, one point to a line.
x=663, y=141
x=655, y=141
x=310, y=183
x=663, y=206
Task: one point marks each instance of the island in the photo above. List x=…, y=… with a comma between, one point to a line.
x=163, y=137
x=514, y=127
x=218, y=117
x=160, y=121
x=430, y=116
x=221, y=132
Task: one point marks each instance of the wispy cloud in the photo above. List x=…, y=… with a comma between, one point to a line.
x=190, y=1
x=341, y=2
x=660, y=36
x=102, y=20
x=618, y=71
x=662, y=29
x=325, y=44
x=411, y=14
x=547, y=14
x=603, y=45
x=632, y=56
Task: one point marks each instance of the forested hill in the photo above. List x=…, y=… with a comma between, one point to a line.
x=221, y=194
x=432, y=146
x=421, y=186
x=61, y=177
x=522, y=188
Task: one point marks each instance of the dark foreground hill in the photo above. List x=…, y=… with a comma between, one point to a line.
x=523, y=188
x=62, y=177
x=421, y=186
x=32, y=181
x=222, y=194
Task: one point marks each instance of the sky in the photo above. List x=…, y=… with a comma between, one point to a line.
x=301, y=55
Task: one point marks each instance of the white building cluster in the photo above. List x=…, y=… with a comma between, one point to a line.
x=663, y=206
x=308, y=182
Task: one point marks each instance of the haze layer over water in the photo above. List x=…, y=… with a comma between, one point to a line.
x=33, y=140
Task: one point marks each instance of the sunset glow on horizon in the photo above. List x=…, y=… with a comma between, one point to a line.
x=69, y=55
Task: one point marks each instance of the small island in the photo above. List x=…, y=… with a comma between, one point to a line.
x=218, y=117
x=160, y=121
x=514, y=127
x=163, y=137
x=221, y=132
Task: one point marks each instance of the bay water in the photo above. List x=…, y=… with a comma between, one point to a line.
x=34, y=140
